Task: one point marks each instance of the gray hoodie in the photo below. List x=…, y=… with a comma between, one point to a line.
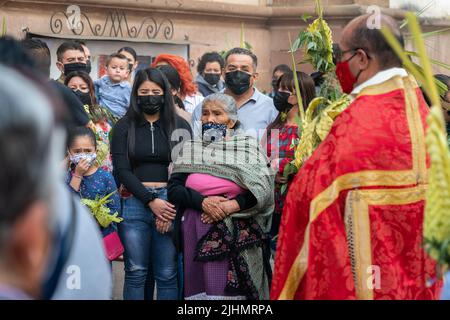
x=206, y=89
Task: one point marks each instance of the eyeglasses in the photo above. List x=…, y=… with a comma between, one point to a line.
x=338, y=53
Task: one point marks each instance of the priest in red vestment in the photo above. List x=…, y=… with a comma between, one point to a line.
x=352, y=223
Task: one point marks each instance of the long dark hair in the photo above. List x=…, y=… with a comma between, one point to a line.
x=167, y=114
x=307, y=90
x=86, y=78
x=175, y=82
x=172, y=76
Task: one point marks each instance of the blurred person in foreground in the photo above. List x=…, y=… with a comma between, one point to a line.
x=72, y=273
x=41, y=229
x=29, y=161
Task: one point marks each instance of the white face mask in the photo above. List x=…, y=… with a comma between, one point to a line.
x=76, y=158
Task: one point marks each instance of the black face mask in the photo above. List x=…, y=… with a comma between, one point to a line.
x=84, y=97
x=238, y=81
x=88, y=66
x=212, y=78
x=280, y=100
x=72, y=67
x=150, y=104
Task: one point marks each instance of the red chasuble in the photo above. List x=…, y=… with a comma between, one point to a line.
x=352, y=222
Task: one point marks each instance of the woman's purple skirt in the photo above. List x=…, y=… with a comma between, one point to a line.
x=202, y=280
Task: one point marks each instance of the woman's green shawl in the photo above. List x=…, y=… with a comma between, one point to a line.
x=239, y=159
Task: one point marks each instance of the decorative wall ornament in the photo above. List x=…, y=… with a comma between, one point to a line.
x=115, y=25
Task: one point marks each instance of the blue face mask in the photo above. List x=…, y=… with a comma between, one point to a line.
x=213, y=132
x=76, y=158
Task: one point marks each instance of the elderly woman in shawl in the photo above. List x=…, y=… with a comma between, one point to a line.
x=224, y=189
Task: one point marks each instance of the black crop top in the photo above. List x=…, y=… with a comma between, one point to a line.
x=150, y=159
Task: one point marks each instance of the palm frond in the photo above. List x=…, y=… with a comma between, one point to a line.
x=418, y=13
x=432, y=33
x=297, y=87
x=242, y=39
x=3, y=27
x=435, y=62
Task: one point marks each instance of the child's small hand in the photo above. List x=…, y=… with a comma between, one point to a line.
x=82, y=167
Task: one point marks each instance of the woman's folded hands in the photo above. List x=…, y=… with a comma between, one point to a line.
x=216, y=208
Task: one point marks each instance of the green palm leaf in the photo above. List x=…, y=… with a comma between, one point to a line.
x=3, y=27
x=418, y=13
x=435, y=62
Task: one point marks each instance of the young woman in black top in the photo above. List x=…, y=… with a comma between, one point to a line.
x=141, y=150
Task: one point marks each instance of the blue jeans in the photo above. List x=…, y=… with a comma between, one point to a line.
x=149, y=255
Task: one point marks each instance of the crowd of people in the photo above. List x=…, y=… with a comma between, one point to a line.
x=191, y=171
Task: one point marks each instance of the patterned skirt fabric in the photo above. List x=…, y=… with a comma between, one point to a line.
x=203, y=280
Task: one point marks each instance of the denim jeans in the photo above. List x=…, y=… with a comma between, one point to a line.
x=149, y=255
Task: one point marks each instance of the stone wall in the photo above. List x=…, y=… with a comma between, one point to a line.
x=204, y=25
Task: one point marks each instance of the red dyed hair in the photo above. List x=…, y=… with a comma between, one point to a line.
x=188, y=87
